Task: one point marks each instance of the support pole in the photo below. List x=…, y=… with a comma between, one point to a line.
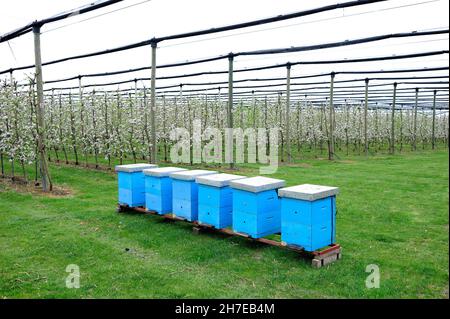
x=279, y=112
x=401, y=128
x=415, y=121
x=331, y=138
x=219, y=108
x=241, y=114
x=82, y=115
x=288, y=107
x=154, y=147
x=180, y=100
x=392, y=146
x=254, y=109
x=80, y=90
x=164, y=127
x=40, y=110
x=255, y=122
x=2, y=163
x=135, y=94
x=205, y=116
x=230, y=147
x=433, y=127
x=366, y=105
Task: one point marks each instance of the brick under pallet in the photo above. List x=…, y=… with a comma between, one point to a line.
x=318, y=258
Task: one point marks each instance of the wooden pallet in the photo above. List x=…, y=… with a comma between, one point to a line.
x=319, y=258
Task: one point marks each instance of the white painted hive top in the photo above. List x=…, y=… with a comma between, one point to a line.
x=257, y=184
x=131, y=168
x=190, y=175
x=162, y=171
x=308, y=192
x=217, y=180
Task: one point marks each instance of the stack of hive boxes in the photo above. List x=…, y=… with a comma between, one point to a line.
x=131, y=184
x=256, y=207
x=308, y=214
x=158, y=189
x=215, y=199
x=185, y=193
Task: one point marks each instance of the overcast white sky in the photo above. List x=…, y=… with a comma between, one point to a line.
x=159, y=18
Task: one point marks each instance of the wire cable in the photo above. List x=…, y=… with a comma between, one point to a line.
x=64, y=15
x=97, y=16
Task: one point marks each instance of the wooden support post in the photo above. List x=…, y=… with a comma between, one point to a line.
x=147, y=135
x=254, y=109
x=52, y=107
x=14, y=92
x=331, y=138
x=323, y=127
x=154, y=147
x=366, y=105
x=241, y=114
x=82, y=116
x=218, y=107
x=107, y=135
x=2, y=163
x=433, y=127
x=229, y=143
x=94, y=127
x=414, y=146
x=176, y=104
x=266, y=126
x=118, y=129
x=288, y=107
x=401, y=128
x=279, y=112
x=135, y=93
x=133, y=106
x=299, y=134
x=164, y=128
x=360, y=127
x=255, y=122
x=40, y=110
x=206, y=114
x=392, y=146
x=377, y=138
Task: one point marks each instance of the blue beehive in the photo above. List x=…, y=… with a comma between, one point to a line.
x=185, y=193
x=158, y=189
x=256, y=207
x=308, y=215
x=215, y=201
x=131, y=184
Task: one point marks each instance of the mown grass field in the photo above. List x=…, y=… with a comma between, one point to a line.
x=392, y=212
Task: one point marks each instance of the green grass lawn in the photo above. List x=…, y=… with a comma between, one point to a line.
x=392, y=212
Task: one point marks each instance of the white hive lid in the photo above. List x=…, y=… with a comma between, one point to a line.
x=162, y=171
x=190, y=175
x=257, y=184
x=217, y=180
x=131, y=168
x=308, y=192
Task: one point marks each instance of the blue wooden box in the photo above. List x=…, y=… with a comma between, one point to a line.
x=131, y=184
x=185, y=193
x=308, y=215
x=215, y=200
x=256, y=207
x=158, y=189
